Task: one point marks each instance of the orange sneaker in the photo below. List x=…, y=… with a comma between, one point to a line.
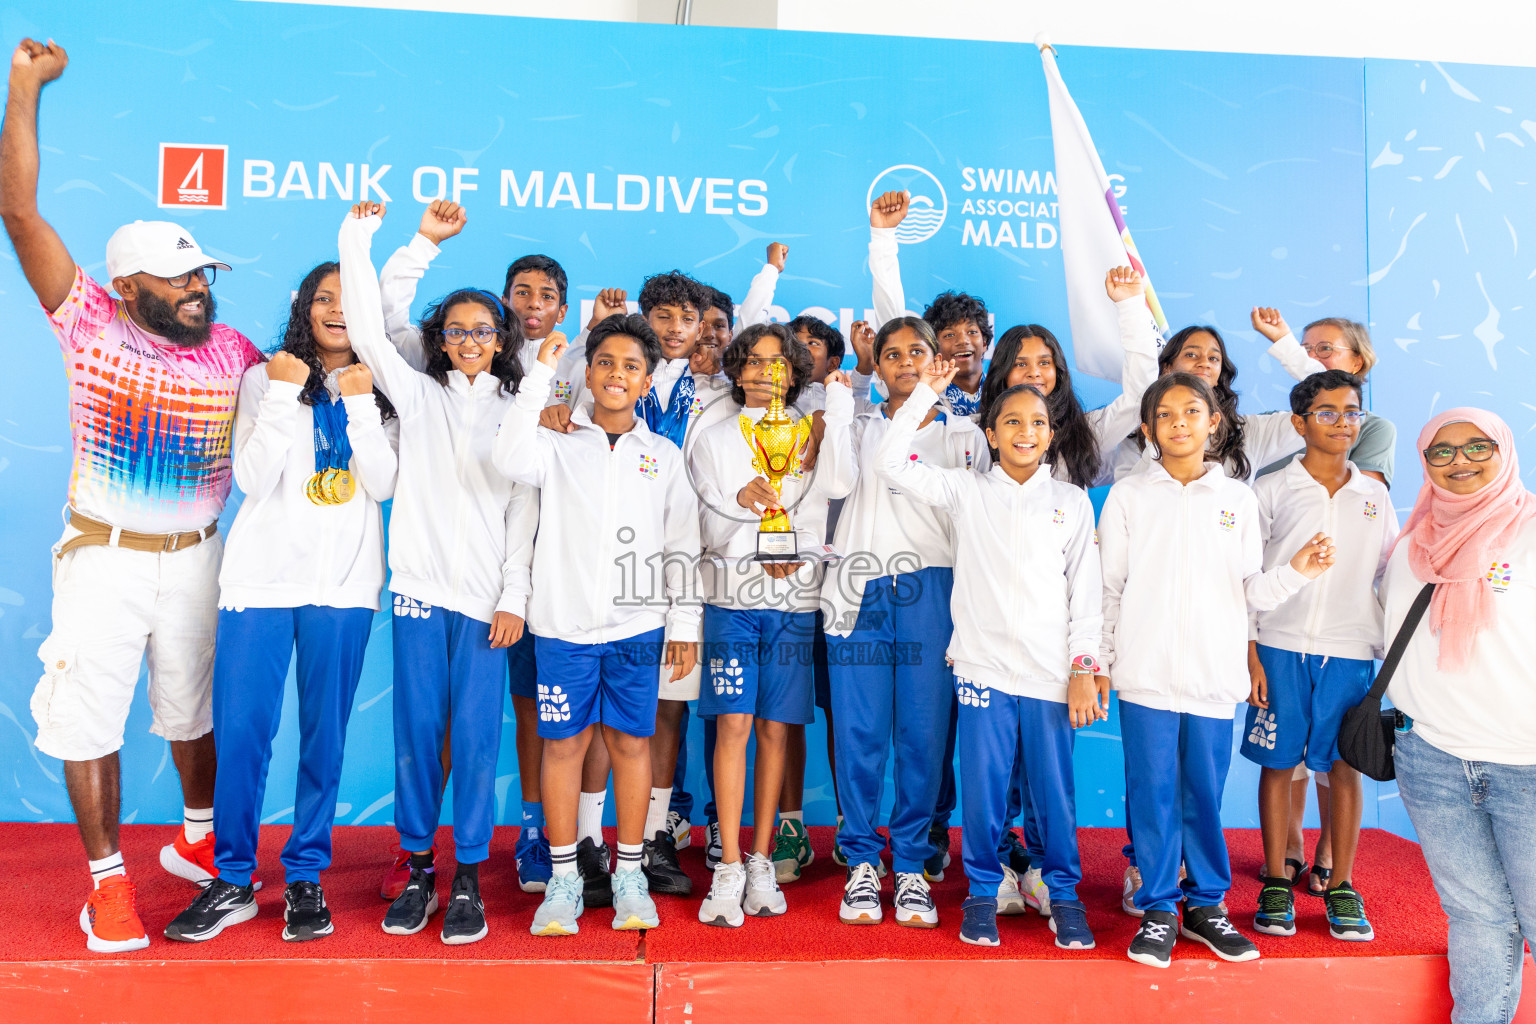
x=396, y=878
x=193, y=861
x=109, y=920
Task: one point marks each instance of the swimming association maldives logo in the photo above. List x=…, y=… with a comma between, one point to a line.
x=929, y=203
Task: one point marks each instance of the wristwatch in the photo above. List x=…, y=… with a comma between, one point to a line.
x=1084, y=663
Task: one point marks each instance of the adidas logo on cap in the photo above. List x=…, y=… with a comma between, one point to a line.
x=182, y=243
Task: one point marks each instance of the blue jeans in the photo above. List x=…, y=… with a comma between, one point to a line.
x=1477, y=827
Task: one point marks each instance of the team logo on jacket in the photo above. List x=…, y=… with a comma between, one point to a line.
x=1058, y=516
x=1498, y=576
x=1228, y=520
x=554, y=704
x=1263, y=732
x=650, y=466
x=409, y=607
x=972, y=696
x=563, y=390
x=725, y=678
x=697, y=408
x=1370, y=510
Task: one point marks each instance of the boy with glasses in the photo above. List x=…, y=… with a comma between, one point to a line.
x=1311, y=658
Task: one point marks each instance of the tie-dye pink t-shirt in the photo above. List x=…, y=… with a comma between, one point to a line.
x=150, y=421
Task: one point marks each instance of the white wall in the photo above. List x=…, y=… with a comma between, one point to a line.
x=1474, y=31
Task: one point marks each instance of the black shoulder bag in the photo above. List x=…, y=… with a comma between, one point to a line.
x=1366, y=734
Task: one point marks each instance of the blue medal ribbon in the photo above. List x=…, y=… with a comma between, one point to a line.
x=332, y=449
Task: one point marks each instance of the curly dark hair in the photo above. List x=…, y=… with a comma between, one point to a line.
x=631, y=325
x=298, y=339
x=950, y=308
x=1230, y=435
x=506, y=365
x=1073, y=444
x=717, y=299
x=1161, y=387
x=674, y=288
x=830, y=336
x=734, y=359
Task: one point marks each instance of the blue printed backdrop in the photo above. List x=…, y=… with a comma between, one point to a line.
x=1245, y=183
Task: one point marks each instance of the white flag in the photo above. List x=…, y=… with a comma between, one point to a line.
x=1094, y=238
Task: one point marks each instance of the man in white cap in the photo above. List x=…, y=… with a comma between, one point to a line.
x=153, y=383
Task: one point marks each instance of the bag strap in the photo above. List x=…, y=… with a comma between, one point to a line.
x=1400, y=642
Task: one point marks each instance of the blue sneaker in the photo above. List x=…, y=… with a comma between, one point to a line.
x=561, y=907
x=1069, y=921
x=1346, y=914
x=532, y=853
x=980, y=925
x=938, y=860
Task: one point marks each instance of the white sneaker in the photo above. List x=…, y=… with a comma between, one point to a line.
x=722, y=907
x=914, y=903
x=1129, y=889
x=681, y=829
x=764, y=897
x=861, y=896
x=1036, y=895
x=1009, y=900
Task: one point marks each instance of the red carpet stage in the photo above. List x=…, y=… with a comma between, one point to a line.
x=804, y=966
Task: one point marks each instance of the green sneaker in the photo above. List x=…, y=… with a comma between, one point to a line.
x=838, y=857
x=791, y=850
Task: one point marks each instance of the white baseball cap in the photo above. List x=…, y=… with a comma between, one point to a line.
x=155, y=247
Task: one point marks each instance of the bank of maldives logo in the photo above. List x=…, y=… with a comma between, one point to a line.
x=929, y=204
x=194, y=176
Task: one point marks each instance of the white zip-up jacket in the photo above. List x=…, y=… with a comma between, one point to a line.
x=460, y=533
x=618, y=546
x=1339, y=614
x=1183, y=565
x=720, y=463
x=1267, y=437
x=1027, y=597
x=284, y=551
x=883, y=531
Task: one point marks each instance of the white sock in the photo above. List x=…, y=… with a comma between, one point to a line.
x=111, y=864
x=562, y=859
x=629, y=857
x=656, y=816
x=589, y=817
x=798, y=816
x=197, y=823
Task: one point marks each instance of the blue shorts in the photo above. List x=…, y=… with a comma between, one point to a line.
x=759, y=663
x=1308, y=696
x=819, y=666
x=523, y=668
x=613, y=683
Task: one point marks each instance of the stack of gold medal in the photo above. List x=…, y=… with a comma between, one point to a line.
x=331, y=487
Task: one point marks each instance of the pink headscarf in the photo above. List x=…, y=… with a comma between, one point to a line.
x=1452, y=537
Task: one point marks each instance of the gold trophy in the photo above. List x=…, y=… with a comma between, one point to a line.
x=776, y=441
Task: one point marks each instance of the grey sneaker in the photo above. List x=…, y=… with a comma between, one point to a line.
x=632, y=904
x=561, y=907
x=722, y=906
x=764, y=897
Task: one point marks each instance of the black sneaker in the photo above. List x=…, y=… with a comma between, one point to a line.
x=1014, y=853
x=1211, y=926
x=1277, y=907
x=662, y=873
x=464, y=920
x=305, y=914
x=217, y=907
x=411, y=909
x=1346, y=914
x=592, y=861
x=938, y=860
x=1154, y=941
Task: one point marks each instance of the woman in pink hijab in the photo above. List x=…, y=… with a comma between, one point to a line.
x=1466, y=757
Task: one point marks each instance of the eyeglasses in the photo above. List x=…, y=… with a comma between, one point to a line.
x=1475, y=451
x=205, y=274
x=458, y=335
x=1330, y=417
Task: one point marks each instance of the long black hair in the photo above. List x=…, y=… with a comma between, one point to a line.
x=734, y=359
x=1227, y=446
x=298, y=340
x=1073, y=444
x=1161, y=387
x=506, y=365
